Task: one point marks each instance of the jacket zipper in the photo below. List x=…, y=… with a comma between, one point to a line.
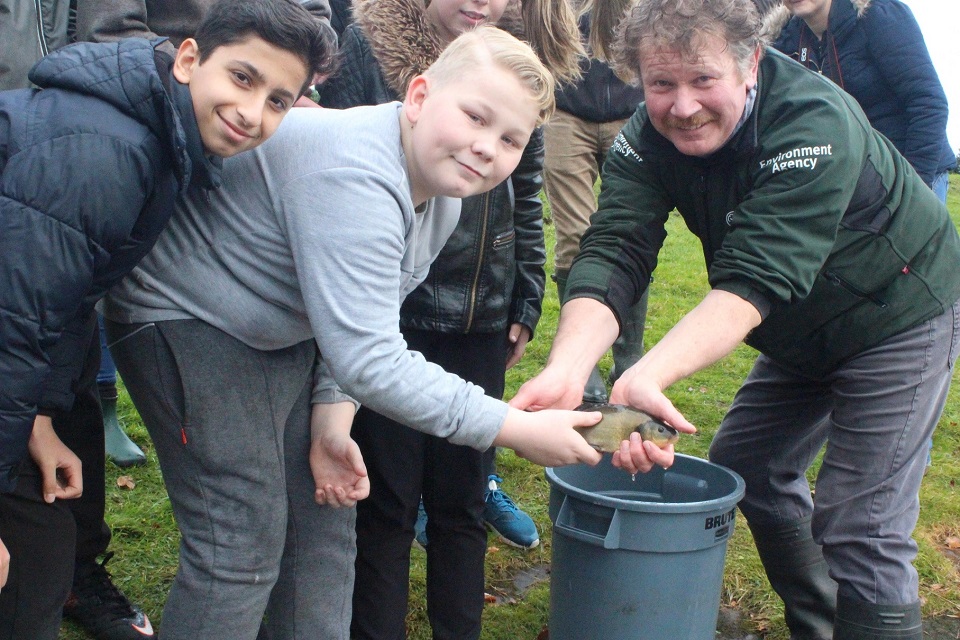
x=504, y=240
x=840, y=282
x=472, y=307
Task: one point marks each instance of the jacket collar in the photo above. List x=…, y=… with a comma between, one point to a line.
x=404, y=42
x=203, y=170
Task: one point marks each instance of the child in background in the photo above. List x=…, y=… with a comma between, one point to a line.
x=589, y=116
x=473, y=316
x=874, y=50
x=216, y=332
x=151, y=126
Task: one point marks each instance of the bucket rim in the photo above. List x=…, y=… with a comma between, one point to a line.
x=701, y=506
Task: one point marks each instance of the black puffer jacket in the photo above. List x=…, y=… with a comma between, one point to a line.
x=874, y=50
x=599, y=95
x=90, y=167
x=490, y=272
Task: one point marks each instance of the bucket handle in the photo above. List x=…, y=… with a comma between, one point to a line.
x=595, y=524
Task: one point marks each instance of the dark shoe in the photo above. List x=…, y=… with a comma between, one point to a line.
x=798, y=573
x=99, y=607
x=859, y=620
x=502, y=515
x=120, y=448
x=595, y=390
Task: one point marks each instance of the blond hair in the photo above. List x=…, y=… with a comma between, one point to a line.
x=605, y=16
x=488, y=45
x=550, y=26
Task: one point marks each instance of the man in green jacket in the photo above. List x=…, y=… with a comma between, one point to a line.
x=826, y=252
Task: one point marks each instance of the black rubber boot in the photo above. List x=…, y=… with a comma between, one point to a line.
x=860, y=620
x=594, y=390
x=629, y=346
x=798, y=573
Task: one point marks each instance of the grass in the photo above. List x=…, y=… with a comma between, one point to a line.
x=146, y=539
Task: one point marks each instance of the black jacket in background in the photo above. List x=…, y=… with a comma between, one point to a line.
x=599, y=96
x=90, y=167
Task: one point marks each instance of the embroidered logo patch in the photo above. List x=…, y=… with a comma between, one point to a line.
x=799, y=158
x=621, y=146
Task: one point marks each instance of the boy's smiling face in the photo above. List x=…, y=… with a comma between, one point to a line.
x=240, y=91
x=466, y=136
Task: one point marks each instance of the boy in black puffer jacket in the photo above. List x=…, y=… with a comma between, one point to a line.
x=90, y=167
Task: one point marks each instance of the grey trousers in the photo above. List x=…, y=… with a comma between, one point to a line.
x=875, y=414
x=231, y=430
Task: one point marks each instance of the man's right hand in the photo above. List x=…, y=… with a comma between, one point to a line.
x=552, y=388
x=60, y=469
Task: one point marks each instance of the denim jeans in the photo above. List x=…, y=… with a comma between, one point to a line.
x=940, y=183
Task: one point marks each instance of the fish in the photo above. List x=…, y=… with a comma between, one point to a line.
x=618, y=422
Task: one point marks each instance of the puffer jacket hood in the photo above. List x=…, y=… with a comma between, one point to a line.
x=402, y=40
x=777, y=18
x=120, y=74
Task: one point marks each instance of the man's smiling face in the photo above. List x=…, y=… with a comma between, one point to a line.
x=696, y=104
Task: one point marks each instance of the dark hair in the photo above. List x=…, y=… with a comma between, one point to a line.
x=285, y=24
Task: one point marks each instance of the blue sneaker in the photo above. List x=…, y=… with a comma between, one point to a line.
x=420, y=526
x=501, y=515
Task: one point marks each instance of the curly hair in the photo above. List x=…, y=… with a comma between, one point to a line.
x=680, y=25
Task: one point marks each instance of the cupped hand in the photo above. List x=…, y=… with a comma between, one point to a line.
x=60, y=468
x=339, y=473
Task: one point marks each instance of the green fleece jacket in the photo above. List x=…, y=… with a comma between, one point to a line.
x=806, y=212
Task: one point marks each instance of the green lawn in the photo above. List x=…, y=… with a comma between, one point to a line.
x=145, y=538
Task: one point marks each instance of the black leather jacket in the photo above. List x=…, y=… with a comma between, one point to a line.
x=490, y=273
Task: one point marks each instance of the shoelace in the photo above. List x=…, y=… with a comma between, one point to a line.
x=500, y=500
x=96, y=583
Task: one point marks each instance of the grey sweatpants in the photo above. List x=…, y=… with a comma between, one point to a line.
x=876, y=414
x=231, y=426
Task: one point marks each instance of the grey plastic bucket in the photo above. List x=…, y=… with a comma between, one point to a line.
x=639, y=559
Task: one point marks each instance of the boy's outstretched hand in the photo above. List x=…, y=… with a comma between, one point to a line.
x=547, y=438
x=335, y=459
x=60, y=469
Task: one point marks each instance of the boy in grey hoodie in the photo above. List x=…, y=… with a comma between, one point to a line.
x=217, y=332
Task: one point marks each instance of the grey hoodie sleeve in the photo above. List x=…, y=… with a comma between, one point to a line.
x=349, y=251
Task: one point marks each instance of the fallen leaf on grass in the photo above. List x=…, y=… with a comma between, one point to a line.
x=953, y=542
x=493, y=549
x=126, y=482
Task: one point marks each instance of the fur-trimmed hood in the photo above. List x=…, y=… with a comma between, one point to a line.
x=404, y=42
x=776, y=19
